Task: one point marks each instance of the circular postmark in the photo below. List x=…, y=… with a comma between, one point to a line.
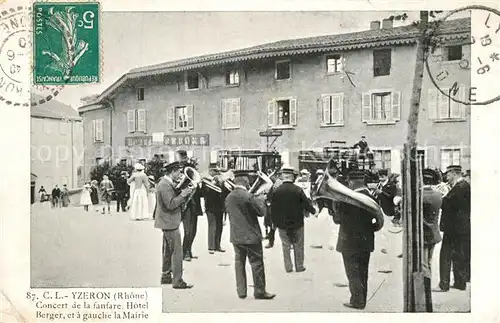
x=16, y=88
x=448, y=60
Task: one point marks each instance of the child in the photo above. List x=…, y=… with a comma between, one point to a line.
x=85, y=198
x=94, y=196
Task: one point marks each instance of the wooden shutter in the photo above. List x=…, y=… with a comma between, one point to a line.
x=223, y=109
x=293, y=112
x=236, y=112
x=443, y=105
x=94, y=130
x=396, y=106
x=366, y=107
x=171, y=118
x=325, y=108
x=141, y=120
x=190, y=117
x=432, y=95
x=131, y=120
x=336, y=107
x=99, y=130
x=455, y=155
x=271, y=113
x=341, y=107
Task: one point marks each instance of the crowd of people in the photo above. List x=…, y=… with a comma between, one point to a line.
x=59, y=197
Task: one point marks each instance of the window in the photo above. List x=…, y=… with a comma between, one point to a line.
x=97, y=130
x=283, y=70
x=180, y=118
x=63, y=128
x=452, y=53
x=136, y=120
x=449, y=157
x=192, y=81
x=230, y=113
x=382, y=158
x=333, y=64
x=140, y=94
x=382, y=62
x=282, y=113
x=332, y=111
x=381, y=107
x=232, y=77
x=441, y=107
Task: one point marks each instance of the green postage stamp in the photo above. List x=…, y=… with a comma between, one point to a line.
x=66, y=47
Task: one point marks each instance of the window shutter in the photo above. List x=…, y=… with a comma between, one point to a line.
x=141, y=120
x=190, y=118
x=443, y=105
x=171, y=118
x=445, y=159
x=462, y=97
x=131, y=120
x=326, y=103
x=396, y=106
x=223, y=109
x=293, y=112
x=99, y=129
x=432, y=103
x=271, y=113
x=336, y=108
x=341, y=107
x=456, y=157
x=94, y=130
x=236, y=112
x=366, y=107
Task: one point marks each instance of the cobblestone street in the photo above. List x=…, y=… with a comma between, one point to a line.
x=74, y=248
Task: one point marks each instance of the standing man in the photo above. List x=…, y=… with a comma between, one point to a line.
x=107, y=189
x=121, y=191
x=244, y=209
x=356, y=241
x=167, y=216
x=56, y=193
x=270, y=226
x=431, y=207
x=190, y=212
x=214, y=208
x=288, y=206
x=455, y=225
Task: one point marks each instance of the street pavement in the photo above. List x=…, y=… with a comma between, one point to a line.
x=74, y=248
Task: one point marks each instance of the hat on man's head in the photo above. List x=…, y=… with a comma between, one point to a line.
x=320, y=171
x=304, y=172
x=430, y=176
x=454, y=168
x=124, y=172
x=356, y=175
x=139, y=166
x=173, y=166
x=182, y=153
x=287, y=169
x=383, y=172
x=363, y=136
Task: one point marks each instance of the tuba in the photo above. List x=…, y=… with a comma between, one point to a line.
x=189, y=178
x=330, y=189
x=209, y=183
x=262, y=184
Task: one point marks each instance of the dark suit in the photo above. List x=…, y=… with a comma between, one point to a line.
x=455, y=225
x=214, y=208
x=288, y=205
x=167, y=216
x=243, y=210
x=122, y=189
x=356, y=241
x=190, y=222
x=386, y=198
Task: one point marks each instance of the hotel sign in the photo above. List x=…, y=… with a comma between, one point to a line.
x=170, y=140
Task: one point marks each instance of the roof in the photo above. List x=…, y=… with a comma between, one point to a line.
x=404, y=35
x=53, y=109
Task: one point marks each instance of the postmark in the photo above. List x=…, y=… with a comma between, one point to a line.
x=66, y=43
x=483, y=59
x=15, y=53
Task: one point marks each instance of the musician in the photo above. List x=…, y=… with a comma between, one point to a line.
x=167, y=215
x=107, y=189
x=190, y=213
x=268, y=221
x=431, y=207
x=385, y=192
x=214, y=208
x=288, y=206
x=455, y=225
x=122, y=189
x=244, y=209
x=356, y=241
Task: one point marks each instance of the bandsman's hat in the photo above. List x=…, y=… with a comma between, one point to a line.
x=172, y=166
x=430, y=175
x=454, y=168
x=287, y=169
x=383, y=172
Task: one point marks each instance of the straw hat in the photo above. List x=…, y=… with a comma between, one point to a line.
x=139, y=166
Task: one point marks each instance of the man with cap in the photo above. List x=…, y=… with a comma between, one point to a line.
x=455, y=225
x=356, y=241
x=243, y=210
x=107, y=189
x=288, y=206
x=122, y=189
x=167, y=215
x=214, y=208
x=190, y=212
x=268, y=220
x=431, y=201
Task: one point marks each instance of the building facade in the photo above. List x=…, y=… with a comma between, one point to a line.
x=314, y=90
x=56, y=145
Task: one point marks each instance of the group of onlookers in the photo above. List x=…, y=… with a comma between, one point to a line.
x=59, y=197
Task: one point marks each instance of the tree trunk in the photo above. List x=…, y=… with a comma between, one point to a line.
x=414, y=298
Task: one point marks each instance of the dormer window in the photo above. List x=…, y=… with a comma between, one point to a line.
x=283, y=70
x=192, y=81
x=140, y=94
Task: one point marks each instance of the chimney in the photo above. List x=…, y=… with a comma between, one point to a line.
x=387, y=24
x=374, y=25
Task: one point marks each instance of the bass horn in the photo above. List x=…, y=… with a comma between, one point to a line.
x=262, y=184
x=189, y=178
x=330, y=189
x=208, y=183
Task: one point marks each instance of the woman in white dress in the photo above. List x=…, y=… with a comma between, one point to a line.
x=139, y=208
x=85, y=197
x=151, y=196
